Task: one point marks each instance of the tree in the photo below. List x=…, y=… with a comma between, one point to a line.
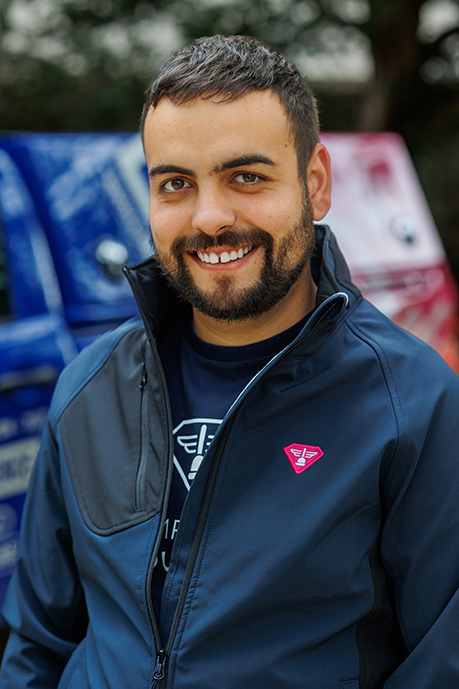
x=79, y=65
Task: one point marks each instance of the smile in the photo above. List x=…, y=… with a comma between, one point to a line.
x=224, y=257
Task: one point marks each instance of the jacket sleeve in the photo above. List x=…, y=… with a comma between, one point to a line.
x=420, y=537
x=44, y=598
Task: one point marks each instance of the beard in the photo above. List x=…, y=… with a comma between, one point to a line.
x=283, y=265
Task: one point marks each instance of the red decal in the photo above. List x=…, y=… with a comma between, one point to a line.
x=302, y=456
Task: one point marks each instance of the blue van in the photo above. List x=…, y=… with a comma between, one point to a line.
x=73, y=211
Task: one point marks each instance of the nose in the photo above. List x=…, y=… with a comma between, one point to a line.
x=212, y=212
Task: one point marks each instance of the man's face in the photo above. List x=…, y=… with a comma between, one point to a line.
x=231, y=221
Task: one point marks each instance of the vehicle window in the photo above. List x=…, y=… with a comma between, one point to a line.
x=5, y=313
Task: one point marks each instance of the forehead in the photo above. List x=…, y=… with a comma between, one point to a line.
x=211, y=129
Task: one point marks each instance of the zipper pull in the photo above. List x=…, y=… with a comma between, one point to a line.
x=160, y=669
x=143, y=381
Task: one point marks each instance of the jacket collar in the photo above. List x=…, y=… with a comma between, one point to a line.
x=329, y=268
x=157, y=300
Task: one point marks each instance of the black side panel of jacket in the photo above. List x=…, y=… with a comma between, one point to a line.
x=108, y=467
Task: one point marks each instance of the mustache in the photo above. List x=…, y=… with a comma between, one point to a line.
x=200, y=241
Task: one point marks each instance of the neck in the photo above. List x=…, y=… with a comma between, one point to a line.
x=299, y=301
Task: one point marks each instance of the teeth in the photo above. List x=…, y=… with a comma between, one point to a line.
x=224, y=257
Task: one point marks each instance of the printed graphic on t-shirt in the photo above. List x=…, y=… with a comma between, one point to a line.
x=192, y=438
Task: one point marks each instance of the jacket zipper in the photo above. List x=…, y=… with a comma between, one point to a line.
x=140, y=497
x=160, y=672
x=161, y=654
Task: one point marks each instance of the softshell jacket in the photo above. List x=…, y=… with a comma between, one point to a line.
x=318, y=546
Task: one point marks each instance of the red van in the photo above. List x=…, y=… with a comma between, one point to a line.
x=386, y=231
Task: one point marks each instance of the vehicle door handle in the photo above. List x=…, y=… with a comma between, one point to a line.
x=38, y=375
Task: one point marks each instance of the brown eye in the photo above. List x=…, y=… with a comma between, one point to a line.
x=246, y=178
x=176, y=184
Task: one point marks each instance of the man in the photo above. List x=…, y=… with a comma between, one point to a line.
x=255, y=484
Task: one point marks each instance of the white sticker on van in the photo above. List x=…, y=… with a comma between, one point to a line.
x=16, y=462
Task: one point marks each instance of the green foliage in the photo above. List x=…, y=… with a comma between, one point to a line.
x=79, y=64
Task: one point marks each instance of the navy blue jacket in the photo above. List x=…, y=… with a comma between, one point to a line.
x=332, y=567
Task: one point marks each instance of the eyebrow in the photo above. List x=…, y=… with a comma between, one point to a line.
x=241, y=161
x=248, y=159
x=167, y=169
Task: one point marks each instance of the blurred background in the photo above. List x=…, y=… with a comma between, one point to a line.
x=73, y=183
x=375, y=65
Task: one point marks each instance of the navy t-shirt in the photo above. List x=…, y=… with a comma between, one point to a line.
x=203, y=380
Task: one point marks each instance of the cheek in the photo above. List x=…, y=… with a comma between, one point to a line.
x=272, y=213
x=165, y=225
x=261, y=214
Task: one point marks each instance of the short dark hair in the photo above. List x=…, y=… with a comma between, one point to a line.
x=227, y=68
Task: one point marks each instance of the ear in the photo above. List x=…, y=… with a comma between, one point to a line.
x=319, y=181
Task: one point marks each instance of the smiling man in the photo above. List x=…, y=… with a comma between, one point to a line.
x=233, y=222
x=255, y=483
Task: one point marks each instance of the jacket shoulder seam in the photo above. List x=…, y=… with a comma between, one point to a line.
x=399, y=416
x=55, y=415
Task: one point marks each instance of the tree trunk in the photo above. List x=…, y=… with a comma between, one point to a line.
x=392, y=31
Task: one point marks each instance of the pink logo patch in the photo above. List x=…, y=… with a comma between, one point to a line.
x=302, y=456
